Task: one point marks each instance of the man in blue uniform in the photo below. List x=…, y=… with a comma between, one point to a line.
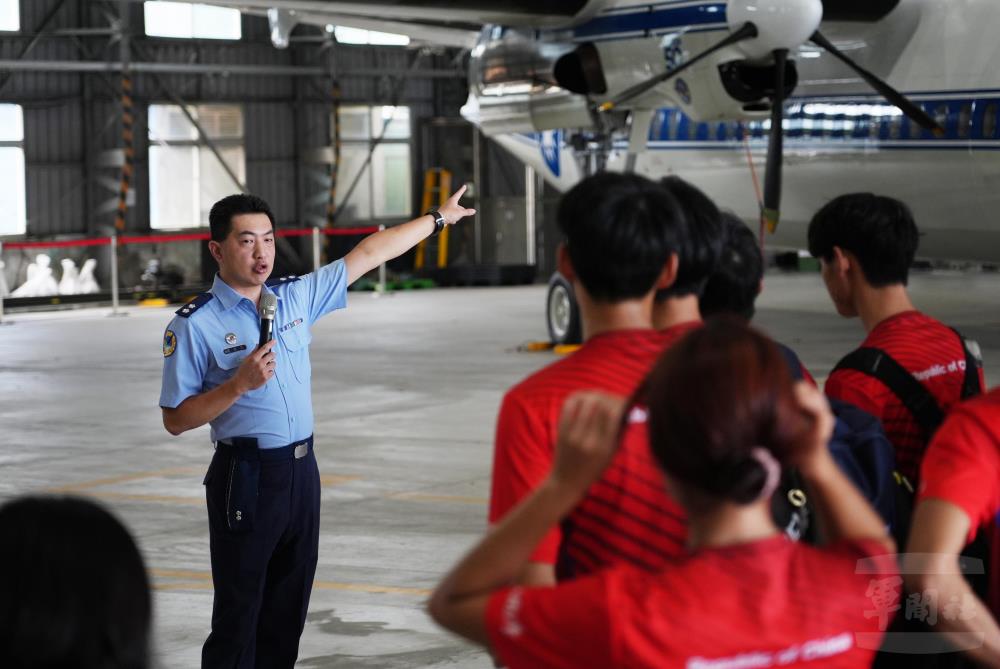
x=262, y=486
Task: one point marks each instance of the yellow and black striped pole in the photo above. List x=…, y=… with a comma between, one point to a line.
x=128, y=150
x=331, y=205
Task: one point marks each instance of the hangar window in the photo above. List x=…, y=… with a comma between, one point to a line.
x=990, y=121
x=10, y=15
x=185, y=176
x=191, y=21
x=12, y=198
x=384, y=186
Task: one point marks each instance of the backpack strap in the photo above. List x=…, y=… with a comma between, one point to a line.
x=915, y=397
x=973, y=363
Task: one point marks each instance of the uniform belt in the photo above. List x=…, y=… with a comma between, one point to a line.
x=247, y=449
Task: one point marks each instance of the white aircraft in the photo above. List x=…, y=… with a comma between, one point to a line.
x=695, y=87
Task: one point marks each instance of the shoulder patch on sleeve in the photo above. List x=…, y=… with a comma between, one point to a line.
x=169, y=343
x=194, y=305
x=271, y=283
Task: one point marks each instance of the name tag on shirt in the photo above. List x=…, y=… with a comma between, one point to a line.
x=235, y=349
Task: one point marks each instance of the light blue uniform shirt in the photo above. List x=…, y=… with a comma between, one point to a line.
x=209, y=338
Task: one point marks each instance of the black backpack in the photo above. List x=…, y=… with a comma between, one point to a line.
x=864, y=453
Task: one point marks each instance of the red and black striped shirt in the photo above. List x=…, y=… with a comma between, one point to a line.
x=929, y=350
x=613, y=362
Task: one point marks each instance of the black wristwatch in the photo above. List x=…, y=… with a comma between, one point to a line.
x=439, y=221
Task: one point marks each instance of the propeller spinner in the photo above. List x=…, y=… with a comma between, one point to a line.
x=769, y=30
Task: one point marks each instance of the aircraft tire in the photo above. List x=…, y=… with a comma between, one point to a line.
x=562, y=314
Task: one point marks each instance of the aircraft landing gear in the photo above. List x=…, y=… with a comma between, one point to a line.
x=562, y=314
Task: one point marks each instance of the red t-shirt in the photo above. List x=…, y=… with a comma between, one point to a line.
x=962, y=466
x=771, y=603
x=929, y=350
x=613, y=362
x=627, y=515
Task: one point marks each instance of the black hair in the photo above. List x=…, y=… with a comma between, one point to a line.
x=700, y=242
x=879, y=231
x=620, y=230
x=220, y=218
x=735, y=284
x=725, y=388
x=73, y=588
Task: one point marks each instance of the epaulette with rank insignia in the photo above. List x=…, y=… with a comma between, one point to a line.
x=194, y=305
x=271, y=283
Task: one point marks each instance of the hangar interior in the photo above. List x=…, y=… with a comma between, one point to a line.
x=332, y=133
x=121, y=122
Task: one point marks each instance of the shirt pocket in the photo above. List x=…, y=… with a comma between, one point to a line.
x=296, y=341
x=228, y=363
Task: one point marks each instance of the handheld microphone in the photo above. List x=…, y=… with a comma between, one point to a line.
x=267, y=308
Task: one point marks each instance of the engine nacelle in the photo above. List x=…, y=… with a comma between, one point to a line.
x=722, y=87
x=518, y=83
x=512, y=87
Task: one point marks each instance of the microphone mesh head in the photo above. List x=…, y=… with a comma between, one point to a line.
x=268, y=305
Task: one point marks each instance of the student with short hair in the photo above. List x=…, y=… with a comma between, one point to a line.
x=73, y=588
x=958, y=503
x=698, y=256
x=866, y=244
x=622, y=234
x=724, y=416
x=733, y=288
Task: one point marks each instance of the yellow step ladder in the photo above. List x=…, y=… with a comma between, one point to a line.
x=437, y=188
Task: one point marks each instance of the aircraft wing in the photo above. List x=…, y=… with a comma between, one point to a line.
x=446, y=22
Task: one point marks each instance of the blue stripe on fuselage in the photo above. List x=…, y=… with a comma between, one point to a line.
x=653, y=20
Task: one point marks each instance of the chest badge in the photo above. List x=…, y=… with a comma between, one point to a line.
x=230, y=338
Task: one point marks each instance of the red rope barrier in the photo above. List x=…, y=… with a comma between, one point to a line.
x=350, y=231
x=183, y=237
x=100, y=241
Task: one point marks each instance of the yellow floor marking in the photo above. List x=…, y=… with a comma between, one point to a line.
x=85, y=486
x=124, y=478
x=566, y=349
x=421, y=497
x=201, y=580
x=336, y=479
x=134, y=497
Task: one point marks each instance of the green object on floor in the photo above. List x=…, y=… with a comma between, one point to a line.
x=395, y=284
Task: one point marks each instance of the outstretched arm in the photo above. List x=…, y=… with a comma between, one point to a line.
x=395, y=241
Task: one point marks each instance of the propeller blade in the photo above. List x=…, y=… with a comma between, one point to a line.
x=747, y=31
x=775, y=146
x=916, y=114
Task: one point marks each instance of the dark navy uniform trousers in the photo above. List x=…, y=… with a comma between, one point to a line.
x=263, y=518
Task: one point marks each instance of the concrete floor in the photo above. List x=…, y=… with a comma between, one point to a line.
x=406, y=389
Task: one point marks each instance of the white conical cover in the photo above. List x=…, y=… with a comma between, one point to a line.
x=781, y=24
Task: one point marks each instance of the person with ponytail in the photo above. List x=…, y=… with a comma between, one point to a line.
x=724, y=416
